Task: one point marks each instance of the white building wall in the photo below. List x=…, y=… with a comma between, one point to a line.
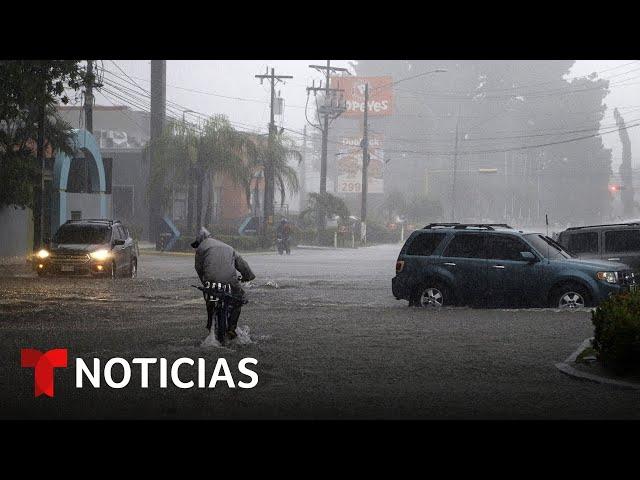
x=88, y=204
x=16, y=232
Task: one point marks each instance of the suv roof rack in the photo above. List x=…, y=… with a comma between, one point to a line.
x=462, y=226
x=605, y=225
x=94, y=220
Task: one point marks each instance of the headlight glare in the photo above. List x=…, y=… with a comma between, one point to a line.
x=100, y=254
x=43, y=253
x=609, y=277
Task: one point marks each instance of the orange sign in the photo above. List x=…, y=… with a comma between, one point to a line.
x=380, y=95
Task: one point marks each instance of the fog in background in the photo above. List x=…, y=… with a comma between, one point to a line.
x=235, y=78
x=528, y=185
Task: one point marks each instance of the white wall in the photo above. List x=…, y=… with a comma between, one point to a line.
x=88, y=204
x=16, y=232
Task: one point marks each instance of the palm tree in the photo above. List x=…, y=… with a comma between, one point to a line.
x=174, y=155
x=275, y=155
x=224, y=150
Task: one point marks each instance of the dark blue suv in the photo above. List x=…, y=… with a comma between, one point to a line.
x=496, y=265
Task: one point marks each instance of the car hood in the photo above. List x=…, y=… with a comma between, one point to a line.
x=602, y=265
x=77, y=247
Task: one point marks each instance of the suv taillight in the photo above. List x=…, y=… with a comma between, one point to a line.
x=399, y=266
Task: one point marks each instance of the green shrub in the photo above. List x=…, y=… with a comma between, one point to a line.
x=240, y=243
x=379, y=233
x=617, y=332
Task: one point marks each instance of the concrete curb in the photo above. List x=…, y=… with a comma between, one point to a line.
x=566, y=368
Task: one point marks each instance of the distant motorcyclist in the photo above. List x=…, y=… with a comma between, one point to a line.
x=283, y=232
x=218, y=262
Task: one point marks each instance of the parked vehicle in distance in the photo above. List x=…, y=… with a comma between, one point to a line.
x=619, y=242
x=496, y=265
x=95, y=247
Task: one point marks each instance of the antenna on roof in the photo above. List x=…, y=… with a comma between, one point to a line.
x=546, y=221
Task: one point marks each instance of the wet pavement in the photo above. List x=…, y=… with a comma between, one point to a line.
x=330, y=340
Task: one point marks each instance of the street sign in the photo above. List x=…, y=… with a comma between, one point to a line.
x=380, y=95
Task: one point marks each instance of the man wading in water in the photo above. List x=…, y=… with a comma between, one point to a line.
x=218, y=262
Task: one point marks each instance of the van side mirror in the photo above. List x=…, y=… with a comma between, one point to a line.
x=118, y=242
x=529, y=257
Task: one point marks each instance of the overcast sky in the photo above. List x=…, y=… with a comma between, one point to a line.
x=250, y=109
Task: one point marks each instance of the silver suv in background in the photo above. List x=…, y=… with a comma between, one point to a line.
x=96, y=247
x=619, y=242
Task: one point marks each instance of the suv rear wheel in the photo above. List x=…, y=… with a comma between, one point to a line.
x=432, y=294
x=569, y=296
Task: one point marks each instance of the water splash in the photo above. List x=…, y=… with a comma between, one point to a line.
x=243, y=338
x=210, y=341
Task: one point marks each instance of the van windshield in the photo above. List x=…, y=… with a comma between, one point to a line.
x=547, y=247
x=82, y=234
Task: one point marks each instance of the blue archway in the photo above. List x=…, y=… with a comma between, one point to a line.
x=83, y=141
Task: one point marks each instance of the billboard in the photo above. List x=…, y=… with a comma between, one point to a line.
x=380, y=95
x=349, y=165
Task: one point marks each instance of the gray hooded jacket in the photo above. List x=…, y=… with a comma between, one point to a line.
x=217, y=262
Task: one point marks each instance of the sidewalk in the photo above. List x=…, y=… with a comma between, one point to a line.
x=315, y=247
x=14, y=260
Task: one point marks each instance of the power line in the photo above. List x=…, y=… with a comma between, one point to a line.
x=213, y=94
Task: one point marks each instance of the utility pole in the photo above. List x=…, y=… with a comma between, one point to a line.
x=365, y=165
x=269, y=181
x=303, y=170
x=329, y=112
x=455, y=168
x=158, y=112
x=88, y=97
x=41, y=160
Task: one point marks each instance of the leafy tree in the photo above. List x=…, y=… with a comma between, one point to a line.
x=174, y=159
x=186, y=156
x=626, y=171
x=421, y=207
x=326, y=202
x=223, y=150
x=30, y=90
x=395, y=203
x=278, y=152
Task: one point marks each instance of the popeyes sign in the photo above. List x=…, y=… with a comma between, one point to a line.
x=380, y=95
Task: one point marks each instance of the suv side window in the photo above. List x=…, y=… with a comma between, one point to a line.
x=506, y=247
x=466, y=245
x=425, y=243
x=117, y=233
x=585, y=242
x=622, y=241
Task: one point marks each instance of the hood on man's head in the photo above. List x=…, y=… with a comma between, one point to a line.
x=202, y=235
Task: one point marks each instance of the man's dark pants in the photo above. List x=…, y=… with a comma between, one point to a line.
x=236, y=308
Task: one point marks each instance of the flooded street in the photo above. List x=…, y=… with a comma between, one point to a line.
x=329, y=338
